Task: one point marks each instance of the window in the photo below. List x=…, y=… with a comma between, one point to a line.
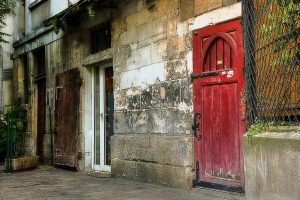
x=100, y=37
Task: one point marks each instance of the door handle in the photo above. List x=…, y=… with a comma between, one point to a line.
x=197, y=126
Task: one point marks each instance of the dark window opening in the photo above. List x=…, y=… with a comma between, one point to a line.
x=100, y=37
x=39, y=62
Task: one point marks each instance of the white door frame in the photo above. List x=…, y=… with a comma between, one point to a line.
x=102, y=166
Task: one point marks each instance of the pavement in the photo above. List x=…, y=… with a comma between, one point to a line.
x=52, y=183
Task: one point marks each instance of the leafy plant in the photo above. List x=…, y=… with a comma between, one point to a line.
x=285, y=29
x=16, y=116
x=6, y=7
x=255, y=129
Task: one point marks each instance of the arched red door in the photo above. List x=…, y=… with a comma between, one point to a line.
x=219, y=105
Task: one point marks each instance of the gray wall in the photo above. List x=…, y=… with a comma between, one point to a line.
x=272, y=165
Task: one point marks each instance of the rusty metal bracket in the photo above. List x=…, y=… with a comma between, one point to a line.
x=204, y=74
x=196, y=126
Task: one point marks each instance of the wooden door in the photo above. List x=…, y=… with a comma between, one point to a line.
x=67, y=118
x=219, y=105
x=41, y=117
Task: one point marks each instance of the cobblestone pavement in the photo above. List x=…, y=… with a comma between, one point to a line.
x=51, y=183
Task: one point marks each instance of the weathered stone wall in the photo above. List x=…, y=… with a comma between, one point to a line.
x=153, y=94
x=203, y=6
x=272, y=165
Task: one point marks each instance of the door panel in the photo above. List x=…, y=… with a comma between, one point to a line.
x=41, y=117
x=218, y=88
x=67, y=118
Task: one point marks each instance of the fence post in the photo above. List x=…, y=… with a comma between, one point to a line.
x=9, y=143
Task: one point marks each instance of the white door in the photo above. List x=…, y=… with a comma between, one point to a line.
x=103, y=117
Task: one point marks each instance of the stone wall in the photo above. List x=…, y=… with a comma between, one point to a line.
x=272, y=165
x=153, y=94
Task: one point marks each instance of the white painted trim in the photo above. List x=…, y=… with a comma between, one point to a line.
x=216, y=16
x=93, y=116
x=102, y=115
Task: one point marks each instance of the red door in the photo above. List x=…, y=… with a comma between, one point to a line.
x=219, y=105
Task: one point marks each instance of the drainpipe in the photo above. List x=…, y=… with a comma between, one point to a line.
x=1, y=80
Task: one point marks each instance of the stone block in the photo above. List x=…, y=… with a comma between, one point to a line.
x=132, y=61
x=47, y=141
x=123, y=168
x=133, y=101
x=187, y=9
x=176, y=69
x=29, y=141
x=130, y=147
x=170, y=93
x=129, y=37
x=160, y=121
x=229, y=2
x=170, y=175
x=144, y=56
x=203, y=6
x=146, y=98
x=130, y=7
x=176, y=150
x=143, y=171
x=158, y=27
x=172, y=27
x=183, y=120
x=121, y=55
x=153, y=172
x=159, y=51
x=186, y=92
x=122, y=122
x=176, y=48
x=140, y=122
x=144, y=32
x=138, y=18
x=120, y=100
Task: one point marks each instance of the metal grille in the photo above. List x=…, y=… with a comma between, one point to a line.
x=7, y=74
x=271, y=30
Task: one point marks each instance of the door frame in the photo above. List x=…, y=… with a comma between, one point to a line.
x=102, y=166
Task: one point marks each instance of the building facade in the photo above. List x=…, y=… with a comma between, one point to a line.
x=129, y=87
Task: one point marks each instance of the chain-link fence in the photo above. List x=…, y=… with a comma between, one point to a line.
x=271, y=31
